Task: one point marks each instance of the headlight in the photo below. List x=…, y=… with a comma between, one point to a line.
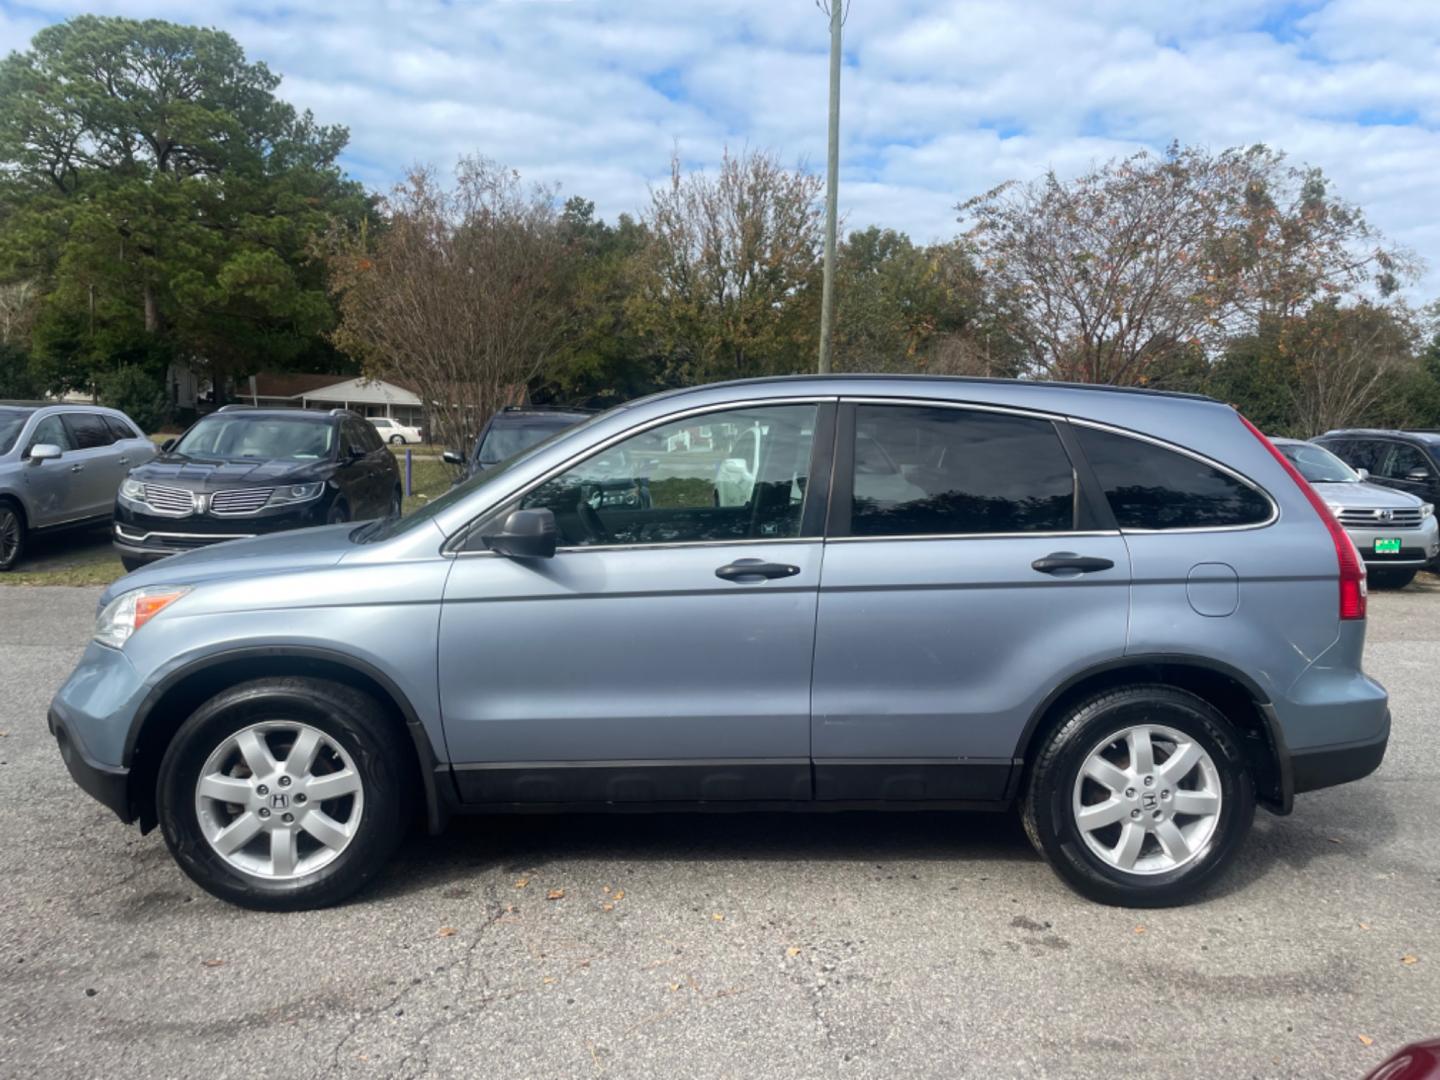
x=1426, y=509
x=133, y=489
x=130, y=611
x=296, y=493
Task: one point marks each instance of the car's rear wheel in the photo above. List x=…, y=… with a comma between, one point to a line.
x=284, y=794
x=1389, y=578
x=1140, y=797
x=397, y=440
x=12, y=536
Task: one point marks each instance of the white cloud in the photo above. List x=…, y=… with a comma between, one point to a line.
x=942, y=98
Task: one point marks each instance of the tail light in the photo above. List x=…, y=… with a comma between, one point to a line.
x=1352, y=570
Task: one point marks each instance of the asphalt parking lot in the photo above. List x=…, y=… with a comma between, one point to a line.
x=716, y=945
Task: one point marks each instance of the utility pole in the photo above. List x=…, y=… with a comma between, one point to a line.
x=835, y=9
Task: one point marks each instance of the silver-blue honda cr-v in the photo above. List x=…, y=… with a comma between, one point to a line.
x=1122, y=611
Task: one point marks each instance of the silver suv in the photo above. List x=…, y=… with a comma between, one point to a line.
x=1125, y=613
x=60, y=466
x=1394, y=531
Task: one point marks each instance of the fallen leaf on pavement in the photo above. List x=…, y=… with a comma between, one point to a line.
x=211, y=963
x=1335, y=840
x=718, y=917
x=1365, y=1039
x=674, y=987
x=1364, y=926
x=793, y=950
x=1408, y=959
x=607, y=906
x=446, y=931
x=555, y=894
x=549, y=979
x=606, y=889
x=520, y=883
x=1139, y=929
x=619, y=895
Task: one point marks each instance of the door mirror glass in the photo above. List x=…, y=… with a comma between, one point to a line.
x=526, y=534
x=42, y=452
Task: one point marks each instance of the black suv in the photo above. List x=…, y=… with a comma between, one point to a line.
x=239, y=472
x=1404, y=460
x=511, y=430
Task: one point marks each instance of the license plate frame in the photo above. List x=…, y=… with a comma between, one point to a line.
x=1387, y=545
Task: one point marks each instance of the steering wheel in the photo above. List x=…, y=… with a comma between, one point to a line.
x=590, y=520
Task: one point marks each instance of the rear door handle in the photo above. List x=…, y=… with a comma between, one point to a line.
x=743, y=570
x=1059, y=561
x=77, y=468
x=124, y=461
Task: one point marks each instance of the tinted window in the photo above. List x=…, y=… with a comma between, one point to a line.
x=931, y=471
x=1150, y=487
x=361, y=436
x=236, y=436
x=52, y=432
x=1357, y=453
x=88, y=430
x=736, y=475
x=506, y=439
x=12, y=422
x=1401, y=461
x=119, y=429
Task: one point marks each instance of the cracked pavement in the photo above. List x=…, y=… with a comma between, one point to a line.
x=799, y=945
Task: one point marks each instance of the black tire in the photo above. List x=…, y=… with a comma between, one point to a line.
x=339, y=513
x=397, y=440
x=132, y=564
x=13, y=535
x=1390, y=578
x=1047, y=807
x=374, y=741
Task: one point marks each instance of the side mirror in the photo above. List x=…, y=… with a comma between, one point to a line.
x=43, y=452
x=168, y=445
x=1364, y=474
x=526, y=534
x=1418, y=476
x=453, y=457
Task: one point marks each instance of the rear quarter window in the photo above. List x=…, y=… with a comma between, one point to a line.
x=1151, y=487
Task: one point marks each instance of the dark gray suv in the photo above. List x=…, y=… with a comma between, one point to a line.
x=1123, y=612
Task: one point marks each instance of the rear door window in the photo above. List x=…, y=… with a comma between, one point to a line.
x=88, y=430
x=1151, y=487
x=930, y=471
x=119, y=430
x=1401, y=461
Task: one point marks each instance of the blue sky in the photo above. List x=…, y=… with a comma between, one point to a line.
x=942, y=98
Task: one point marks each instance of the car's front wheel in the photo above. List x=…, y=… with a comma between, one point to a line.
x=12, y=536
x=284, y=794
x=1140, y=796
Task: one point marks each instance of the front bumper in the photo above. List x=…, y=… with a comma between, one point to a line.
x=1419, y=546
x=108, y=784
x=146, y=537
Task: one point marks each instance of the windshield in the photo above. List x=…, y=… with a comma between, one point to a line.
x=271, y=438
x=11, y=421
x=506, y=440
x=1318, y=465
x=384, y=530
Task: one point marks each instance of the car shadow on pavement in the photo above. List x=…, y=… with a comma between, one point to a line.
x=518, y=843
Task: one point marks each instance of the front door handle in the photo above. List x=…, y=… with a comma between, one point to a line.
x=1059, y=561
x=77, y=468
x=744, y=570
x=124, y=461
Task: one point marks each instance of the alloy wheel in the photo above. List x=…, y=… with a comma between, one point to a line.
x=9, y=536
x=279, y=800
x=1147, y=799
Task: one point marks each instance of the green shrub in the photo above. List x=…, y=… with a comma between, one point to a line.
x=138, y=394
